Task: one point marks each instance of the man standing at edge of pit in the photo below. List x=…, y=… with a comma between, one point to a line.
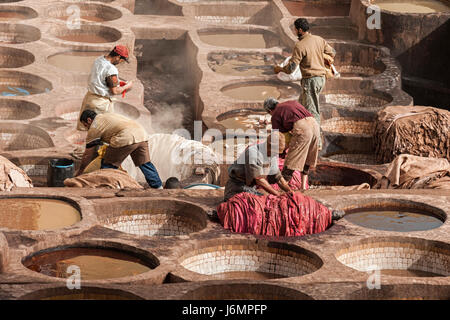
x=302, y=134
x=104, y=83
x=125, y=137
x=309, y=53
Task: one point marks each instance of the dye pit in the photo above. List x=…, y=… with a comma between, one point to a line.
x=37, y=214
x=308, y=9
x=414, y=6
x=94, y=264
x=76, y=61
x=398, y=221
x=259, y=92
x=247, y=120
x=239, y=40
x=243, y=65
x=202, y=61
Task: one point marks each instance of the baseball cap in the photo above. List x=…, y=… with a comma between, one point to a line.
x=122, y=51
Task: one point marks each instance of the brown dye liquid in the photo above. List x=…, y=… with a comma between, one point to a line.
x=251, y=275
x=236, y=40
x=11, y=15
x=253, y=93
x=88, y=38
x=36, y=214
x=245, y=123
x=94, y=264
x=408, y=273
x=245, y=66
x=394, y=220
x=88, y=18
x=297, y=8
x=75, y=61
x=413, y=6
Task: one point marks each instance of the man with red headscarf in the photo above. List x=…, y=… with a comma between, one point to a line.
x=104, y=83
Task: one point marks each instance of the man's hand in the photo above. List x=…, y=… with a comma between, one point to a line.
x=277, y=69
x=128, y=85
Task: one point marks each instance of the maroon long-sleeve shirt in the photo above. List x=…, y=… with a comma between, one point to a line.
x=286, y=114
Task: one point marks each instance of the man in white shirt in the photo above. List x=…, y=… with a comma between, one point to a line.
x=104, y=83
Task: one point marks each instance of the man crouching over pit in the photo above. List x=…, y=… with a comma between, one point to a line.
x=258, y=166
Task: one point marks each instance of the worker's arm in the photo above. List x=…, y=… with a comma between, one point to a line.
x=263, y=183
x=284, y=185
x=296, y=58
x=329, y=50
x=88, y=156
x=89, y=153
x=113, y=84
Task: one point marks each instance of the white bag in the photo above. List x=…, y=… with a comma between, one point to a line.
x=296, y=75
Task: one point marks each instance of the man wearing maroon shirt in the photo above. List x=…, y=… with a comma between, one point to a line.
x=302, y=136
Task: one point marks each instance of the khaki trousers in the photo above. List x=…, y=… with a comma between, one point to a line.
x=94, y=102
x=303, y=146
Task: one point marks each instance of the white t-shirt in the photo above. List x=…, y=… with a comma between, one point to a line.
x=101, y=69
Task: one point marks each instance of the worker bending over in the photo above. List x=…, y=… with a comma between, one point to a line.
x=125, y=137
x=257, y=166
x=303, y=135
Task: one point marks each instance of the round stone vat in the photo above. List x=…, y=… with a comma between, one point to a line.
x=244, y=119
x=87, y=34
x=16, y=136
x=331, y=174
x=250, y=260
x=395, y=215
x=84, y=293
x=94, y=262
x=239, y=38
x=243, y=64
x=233, y=146
x=162, y=217
x=15, y=58
x=260, y=90
x=70, y=109
x=18, y=109
x=314, y=9
x=331, y=32
x=16, y=83
x=34, y=167
x=358, y=60
x=15, y=13
x=18, y=33
x=38, y=213
x=355, y=99
x=415, y=291
x=415, y=6
x=75, y=61
x=88, y=11
x=397, y=256
x=244, y=291
x=348, y=125
x=339, y=146
x=354, y=158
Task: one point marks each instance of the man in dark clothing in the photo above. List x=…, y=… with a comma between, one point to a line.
x=302, y=136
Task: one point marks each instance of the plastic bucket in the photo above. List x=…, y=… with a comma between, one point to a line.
x=59, y=170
